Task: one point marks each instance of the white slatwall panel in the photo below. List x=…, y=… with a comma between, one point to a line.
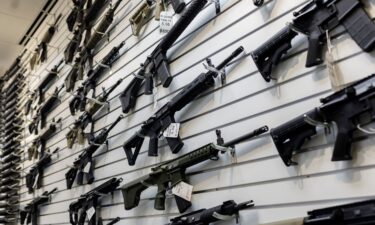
x=246, y=102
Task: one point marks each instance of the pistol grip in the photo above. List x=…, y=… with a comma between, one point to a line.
x=153, y=146
x=315, y=49
x=342, y=147
x=80, y=176
x=160, y=199
x=90, y=175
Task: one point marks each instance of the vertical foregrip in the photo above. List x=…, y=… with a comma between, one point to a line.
x=187, y=17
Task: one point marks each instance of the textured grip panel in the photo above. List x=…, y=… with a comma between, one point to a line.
x=187, y=17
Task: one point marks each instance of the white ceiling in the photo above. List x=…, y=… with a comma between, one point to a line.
x=16, y=16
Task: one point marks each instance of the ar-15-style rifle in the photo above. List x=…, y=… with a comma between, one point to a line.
x=78, y=209
x=171, y=173
x=228, y=210
x=156, y=65
x=76, y=15
x=314, y=20
x=90, y=45
x=39, y=120
x=85, y=158
x=31, y=211
x=349, y=214
x=35, y=175
x=164, y=117
x=143, y=12
x=73, y=46
x=38, y=146
x=79, y=100
x=47, y=81
x=76, y=132
x=347, y=109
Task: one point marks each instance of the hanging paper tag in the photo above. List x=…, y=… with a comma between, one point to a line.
x=172, y=131
x=36, y=180
x=87, y=168
x=39, y=148
x=166, y=22
x=90, y=92
x=183, y=190
x=90, y=212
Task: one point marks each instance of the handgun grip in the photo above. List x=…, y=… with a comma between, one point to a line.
x=70, y=176
x=135, y=142
x=159, y=203
x=342, y=147
x=359, y=25
x=129, y=95
x=153, y=146
x=175, y=144
x=315, y=49
x=178, y=5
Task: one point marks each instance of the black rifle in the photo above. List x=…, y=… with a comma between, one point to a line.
x=78, y=209
x=314, y=20
x=43, y=46
x=38, y=146
x=76, y=15
x=173, y=172
x=156, y=65
x=31, y=211
x=79, y=100
x=42, y=112
x=208, y=216
x=11, y=157
x=85, y=158
x=346, y=108
x=161, y=120
x=15, y=66
x=35, y=175
x=72, y=77
x=47, y=81
x=87, y=117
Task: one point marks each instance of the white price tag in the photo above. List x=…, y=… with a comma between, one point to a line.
x=87, y=168
x=172, y=131
x=183, y=190
x=166, y=21
x=90, y=212
x=87, y=130
x=36, y=180
x=40, y=148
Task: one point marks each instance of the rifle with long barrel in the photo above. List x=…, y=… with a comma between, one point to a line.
x=78, y=209
x=164, y=117
x=31, y=211
x=79, y=100
x=35, y=175
x=85, y=158
x=87, y=117
x=171, y=173
x=229, y=209
x=156, y=65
